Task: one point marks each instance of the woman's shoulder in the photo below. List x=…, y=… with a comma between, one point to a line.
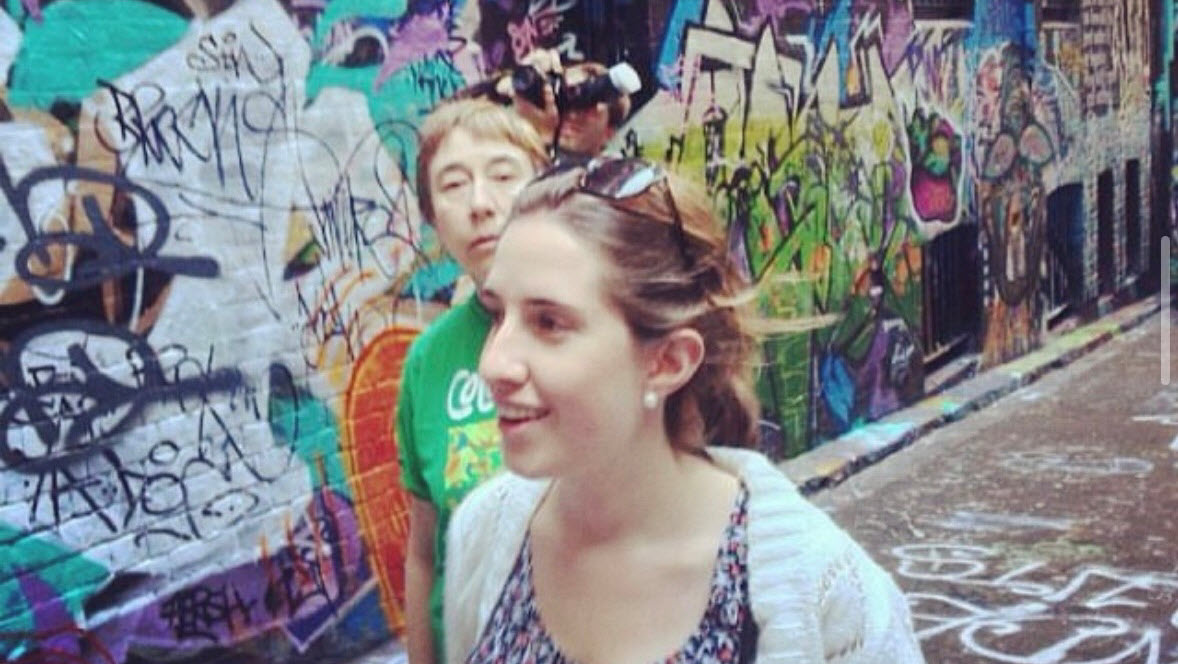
x=808, y=576
x=767, y=484
x=785, y=528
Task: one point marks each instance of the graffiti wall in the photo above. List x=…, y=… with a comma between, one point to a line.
x=212, y=264
x=833, y=140
x=211, y=269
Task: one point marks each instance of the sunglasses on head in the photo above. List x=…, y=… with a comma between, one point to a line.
x=617, y=179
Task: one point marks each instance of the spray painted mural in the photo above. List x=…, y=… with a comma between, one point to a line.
x=833, y=138
x=211, y=266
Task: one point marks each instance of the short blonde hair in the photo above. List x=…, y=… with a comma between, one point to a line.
x=484, y=120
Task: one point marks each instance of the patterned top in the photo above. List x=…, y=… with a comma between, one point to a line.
x=727, y=633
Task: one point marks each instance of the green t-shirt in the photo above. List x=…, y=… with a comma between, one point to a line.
x=447, y=433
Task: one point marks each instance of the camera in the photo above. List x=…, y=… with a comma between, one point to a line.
x=529, y=83
x=617, y=80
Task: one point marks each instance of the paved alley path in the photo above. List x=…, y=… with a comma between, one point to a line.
x=1044, y=528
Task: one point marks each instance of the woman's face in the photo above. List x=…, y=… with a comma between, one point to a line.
x=473, y=182
x=565, y=370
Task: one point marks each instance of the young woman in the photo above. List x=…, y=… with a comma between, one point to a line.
x=625, y=532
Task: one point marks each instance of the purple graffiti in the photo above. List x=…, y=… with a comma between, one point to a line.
x=419, y=38
x=55, y=638
x=49, y=612
x=301, y=588
x=33, y=7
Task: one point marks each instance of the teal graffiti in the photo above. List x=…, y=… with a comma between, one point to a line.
x=348, y=10
x=343, y=10
x=68, y=576
x=78, y=42
x=21, y=8
x=433, y=279
x=402, y=82
x=308, y=426
x=399, y=103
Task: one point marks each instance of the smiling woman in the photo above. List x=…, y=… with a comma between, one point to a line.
x=629, y=528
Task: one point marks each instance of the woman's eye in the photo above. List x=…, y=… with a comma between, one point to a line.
x=549, y=323
x=453, y=183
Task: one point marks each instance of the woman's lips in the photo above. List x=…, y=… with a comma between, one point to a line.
x=512, y=418
x=484, y=242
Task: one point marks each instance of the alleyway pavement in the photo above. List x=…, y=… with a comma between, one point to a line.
x=1042, y=529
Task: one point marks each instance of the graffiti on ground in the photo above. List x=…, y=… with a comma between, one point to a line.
x=1094, y=615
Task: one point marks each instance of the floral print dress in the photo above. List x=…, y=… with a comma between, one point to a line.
x=727, y=633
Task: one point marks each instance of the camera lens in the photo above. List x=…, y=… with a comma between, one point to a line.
x=528, y=83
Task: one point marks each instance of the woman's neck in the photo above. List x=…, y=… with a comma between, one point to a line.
x=643, y=494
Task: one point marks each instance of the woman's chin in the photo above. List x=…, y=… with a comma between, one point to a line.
x=524, y=462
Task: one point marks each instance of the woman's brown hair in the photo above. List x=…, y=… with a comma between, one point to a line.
x=664, y=278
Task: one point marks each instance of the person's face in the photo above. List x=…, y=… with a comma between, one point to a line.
x=473, y=182
x=586, y=130
x=566, y=373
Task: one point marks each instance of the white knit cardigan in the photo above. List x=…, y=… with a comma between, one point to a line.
x=816, y=595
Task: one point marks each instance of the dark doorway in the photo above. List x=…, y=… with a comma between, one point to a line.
x=1064, y=269
x=1106, y=264
x=1132, y=216
x=951, y=313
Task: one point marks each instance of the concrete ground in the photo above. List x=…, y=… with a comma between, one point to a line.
x=1044, y=528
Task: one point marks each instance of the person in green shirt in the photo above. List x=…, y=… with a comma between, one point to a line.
x=474, y=156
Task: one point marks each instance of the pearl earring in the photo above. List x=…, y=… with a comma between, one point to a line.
x=650, y=399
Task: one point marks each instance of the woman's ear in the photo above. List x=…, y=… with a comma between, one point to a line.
x=674, y=360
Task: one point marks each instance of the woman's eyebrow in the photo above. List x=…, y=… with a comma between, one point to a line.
x=547, y=303
x=453, y=167
x=503, y=159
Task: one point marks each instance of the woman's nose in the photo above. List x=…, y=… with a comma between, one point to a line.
x=482, y=202
x=500, y=364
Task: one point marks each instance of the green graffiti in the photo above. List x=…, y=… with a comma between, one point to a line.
x=77, y=43
x=308, y=426
x=72, y=577
x=823, y=215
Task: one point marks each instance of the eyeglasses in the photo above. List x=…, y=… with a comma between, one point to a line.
x=617, y=179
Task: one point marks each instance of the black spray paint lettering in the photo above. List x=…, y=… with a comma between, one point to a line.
x=210, y=126
x=111, y=258
x=229, y=54
x=161, y=487
x=206, y=613
x=81, y=399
